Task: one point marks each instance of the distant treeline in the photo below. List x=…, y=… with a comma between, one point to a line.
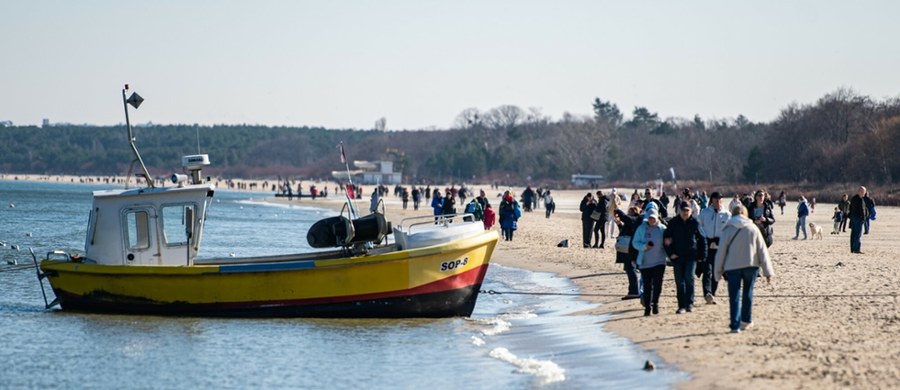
x=843, y=137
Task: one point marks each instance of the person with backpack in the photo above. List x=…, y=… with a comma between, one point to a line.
x=474, y=208
x=510, y=212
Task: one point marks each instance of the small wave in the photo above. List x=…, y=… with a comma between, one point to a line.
x=498, y=325
x=477, y=341
x=546, y=370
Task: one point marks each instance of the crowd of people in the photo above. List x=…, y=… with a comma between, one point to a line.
x=708, y=240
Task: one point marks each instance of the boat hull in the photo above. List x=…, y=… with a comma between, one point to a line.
x=437, y=281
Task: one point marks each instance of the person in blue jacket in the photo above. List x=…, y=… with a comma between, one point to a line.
x=437, y=203
x=651, y=258
x=802, y=213
x=509, y=215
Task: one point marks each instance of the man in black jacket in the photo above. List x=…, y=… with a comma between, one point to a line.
x=858, y=215
x=685, y=246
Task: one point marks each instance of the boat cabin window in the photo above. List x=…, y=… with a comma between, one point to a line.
x=175, y=223
x=137, y=224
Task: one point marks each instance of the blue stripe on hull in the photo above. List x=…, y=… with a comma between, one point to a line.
x=264, y=267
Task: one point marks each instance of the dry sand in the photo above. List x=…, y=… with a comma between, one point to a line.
x=830, y=319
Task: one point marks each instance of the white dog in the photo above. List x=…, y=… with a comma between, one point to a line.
x=816, y=231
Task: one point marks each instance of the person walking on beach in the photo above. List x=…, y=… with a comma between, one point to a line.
x=651, y=258
x=870, y=208
x=739, y=260
x=628, y=223
x=844, y=205
x=648, y=199
x=760, y=212
x=449, y=205
x=405, y=197
x=614, y=202
x=474, y=208
x=437, y=204
x=858, y=215
x=373, y=202
x=685, y=246
x=712, y=222
x=802, y=213
x=837, y=218
x=490, y=218
x=601, y=210
x=782, y=201
x=416, y=197
x=549, y=205
x=509, y=215
x=587, y=207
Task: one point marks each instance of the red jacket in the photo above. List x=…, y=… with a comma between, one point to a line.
x=489, y=218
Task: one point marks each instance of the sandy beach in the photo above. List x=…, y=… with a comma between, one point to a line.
x=830, y=319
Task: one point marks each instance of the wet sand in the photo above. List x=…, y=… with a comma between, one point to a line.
x=830, y=319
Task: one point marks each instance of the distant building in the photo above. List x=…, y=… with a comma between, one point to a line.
x=371, y=172
x=45, y=122
x=580, y=180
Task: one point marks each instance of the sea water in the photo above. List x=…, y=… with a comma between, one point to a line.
x=527, y=336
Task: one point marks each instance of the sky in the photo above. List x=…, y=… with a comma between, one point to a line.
x=419, y=63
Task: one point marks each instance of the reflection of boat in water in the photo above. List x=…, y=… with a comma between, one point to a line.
x=141, y=257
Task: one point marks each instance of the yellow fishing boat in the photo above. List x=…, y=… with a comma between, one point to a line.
x=142, y=245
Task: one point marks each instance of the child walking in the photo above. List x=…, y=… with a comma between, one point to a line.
x=837, y=218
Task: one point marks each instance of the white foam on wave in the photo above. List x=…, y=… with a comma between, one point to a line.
x=477, y=341
x=497, y=326
x=500, y=323
x=546, y=370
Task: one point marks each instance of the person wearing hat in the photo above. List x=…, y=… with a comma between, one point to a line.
x=651, y=258
x=685, y=246
x=712, y=221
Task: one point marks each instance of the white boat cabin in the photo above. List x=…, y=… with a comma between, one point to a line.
x=147, y=226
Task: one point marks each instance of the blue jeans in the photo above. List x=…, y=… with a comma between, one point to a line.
x=684, y=281
x=741, y=311
x=631, y=272
x=801, y=224
x=856, y=226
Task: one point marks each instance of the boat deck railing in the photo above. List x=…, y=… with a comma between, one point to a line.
x=444, y=220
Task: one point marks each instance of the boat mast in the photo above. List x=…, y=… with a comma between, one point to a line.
x=135, y=100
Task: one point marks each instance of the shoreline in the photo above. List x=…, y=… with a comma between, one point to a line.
x=822, y=324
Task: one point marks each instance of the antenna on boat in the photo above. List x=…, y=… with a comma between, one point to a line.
x=353, y=213
x=135, y=101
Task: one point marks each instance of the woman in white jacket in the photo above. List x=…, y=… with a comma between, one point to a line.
x=741, y=255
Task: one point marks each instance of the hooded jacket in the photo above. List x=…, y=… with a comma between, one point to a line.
x=742, y=246
x=648, y=256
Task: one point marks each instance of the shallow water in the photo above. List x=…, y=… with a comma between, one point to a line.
x=511, y=341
